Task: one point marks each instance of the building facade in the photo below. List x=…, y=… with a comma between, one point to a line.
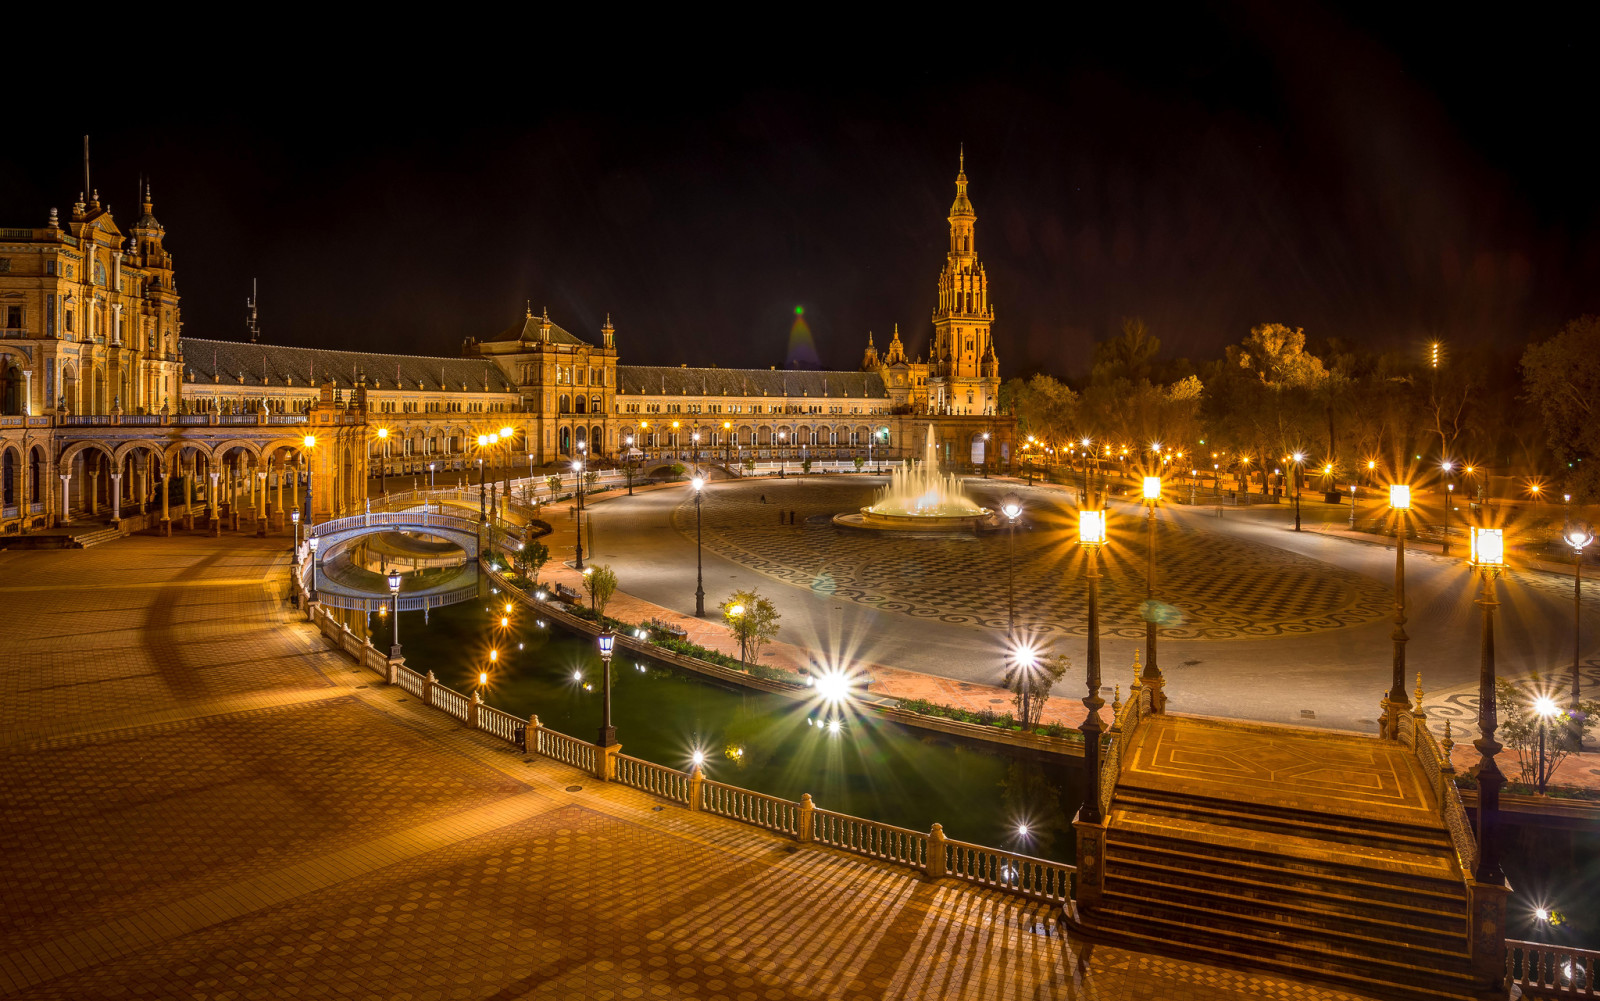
x=105, y=409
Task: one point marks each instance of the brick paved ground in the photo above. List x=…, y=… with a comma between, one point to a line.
x=203, y=802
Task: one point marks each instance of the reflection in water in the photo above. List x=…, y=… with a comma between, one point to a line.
x=848, y=762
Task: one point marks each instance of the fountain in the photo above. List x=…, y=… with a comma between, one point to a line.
x=920, y=498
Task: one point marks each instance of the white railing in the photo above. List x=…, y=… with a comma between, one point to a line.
x=1439, y=769
x=756, y=808
x=931, y=853
x=1544, y=970
x=1032, y=877
x=568, y=750
x=452, y=702
x=658, y=780
x=499, y=723
x=413, y=682
x=868, y=837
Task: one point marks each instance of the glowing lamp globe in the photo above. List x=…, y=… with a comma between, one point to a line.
x=1152, y=488
x=1488, y=547
x=1400, y=496
x=310, y=441
x=1091, y=528
x=394, y=581
x=607, y=640
x=1011, y=509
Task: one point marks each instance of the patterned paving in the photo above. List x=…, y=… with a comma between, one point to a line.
x=203, y=802
x=1209, y=586
x=1320, y=770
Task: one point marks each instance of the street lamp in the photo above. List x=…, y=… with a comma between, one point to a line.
x=736, y=611
x=394, y=593
x=483, y=496
x=294, y=516
x=383, y=448
x=430, y=477
x=1152, y=673
x=699, y=570
x=1011, y=509
x=577, y=511
x=985, y=453
x=608, y=733
x=1449, y=494
x=1488, y=557
x=1578, y=536
x=1091, y=536
x=1544, y=707
x=312, y=543
x=1352, y=507
x=1298, y=458
x=1024, y=659
x=1398, y=702
x=783, y=454
x=309, y=442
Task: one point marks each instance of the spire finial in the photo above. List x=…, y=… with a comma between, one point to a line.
x=529, y=307
x=961, y=159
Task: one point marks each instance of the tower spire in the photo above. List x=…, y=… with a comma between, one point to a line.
x=86, y=186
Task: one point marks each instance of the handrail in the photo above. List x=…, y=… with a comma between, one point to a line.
x=451, y=701
x=1436, y=765
x=1547, y=970
x=870, y=838
x=568, y=750
x=658, y=780
x=1032, y=877
x=782, y=815
x=1122, y=726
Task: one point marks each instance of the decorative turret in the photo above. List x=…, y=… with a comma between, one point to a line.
x=608, y=335
x=869, y=361
x=897, y=351
x=544, y=326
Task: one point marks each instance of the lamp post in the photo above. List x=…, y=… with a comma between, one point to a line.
x=1011, y=509
x=1449, y=494
x=394, y=592
x=1544, y=707
x=1578, y=536
x=312, y=542
x=1024, y=660
x=608, y=733
x=430, y=477
x=1398, y=702
x=294, y=516
x=1084, y=497
x=1352, y=507
x=783, y=454
x=699, y=571
x=577, y=520
x=1298, y=458
x=736, y=611
x=310, y=442
x=383, y=447
x=1091, y=536
x=483, y=496
x=985, y=453
x=1152, y=673
x=1488, y=557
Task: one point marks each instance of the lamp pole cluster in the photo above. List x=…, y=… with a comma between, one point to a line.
x=699, y=567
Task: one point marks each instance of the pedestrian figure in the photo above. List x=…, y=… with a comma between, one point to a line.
x=763, y=498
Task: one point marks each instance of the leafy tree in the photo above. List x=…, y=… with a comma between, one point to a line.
x=554, y=483
x=805, y=465
x=1562, y=378
x=1037, y=681
x=1046, y=407
x=678, y=469
x=749, y=465
x=1519, y=729
x=590, y=478
x=859, y=463
x=531, y=558
x=1130, y=355
x=753, y=619
x=601, y=583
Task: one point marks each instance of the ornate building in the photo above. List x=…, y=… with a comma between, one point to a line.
x=104, y=409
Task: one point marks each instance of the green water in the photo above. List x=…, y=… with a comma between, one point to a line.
x=768, y=743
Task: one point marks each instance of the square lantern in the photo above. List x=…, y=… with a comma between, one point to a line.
x=1152, y=488
x=1488, y=547
x=1399, y=496
x=1091, y=527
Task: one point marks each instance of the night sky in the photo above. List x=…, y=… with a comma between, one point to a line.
x=1381, y=181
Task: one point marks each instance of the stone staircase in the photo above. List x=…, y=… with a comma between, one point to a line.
x=1357, y=886
x=93, y=537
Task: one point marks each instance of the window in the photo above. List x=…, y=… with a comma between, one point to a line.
x=50, y=267
x=13, y=316
x=67, y=314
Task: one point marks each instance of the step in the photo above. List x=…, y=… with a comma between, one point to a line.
x=88, y=539
x=1225, y=841
x=1282, y=820
x=1388, y=939
x=1446, y=896
x=1344, y=970
x=1447, y=917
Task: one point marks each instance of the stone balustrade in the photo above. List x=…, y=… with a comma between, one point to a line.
x=1546, y=970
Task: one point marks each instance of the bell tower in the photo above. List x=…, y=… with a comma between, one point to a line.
x=963, y=373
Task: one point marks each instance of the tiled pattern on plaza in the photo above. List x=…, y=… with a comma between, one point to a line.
x=203, y=802
x=1214, y=586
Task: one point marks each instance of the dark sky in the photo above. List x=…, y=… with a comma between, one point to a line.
x=1381, y=180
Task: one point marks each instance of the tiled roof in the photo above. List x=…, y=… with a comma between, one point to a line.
x=528, y=330
x=658, y=380
x=310, y=366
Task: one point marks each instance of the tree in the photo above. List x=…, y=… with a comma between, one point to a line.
x=1561, y=376
x=805, y=465
x=1037, y=682
x=859, y=463
x=1130, y=355
x=601, y=583
x=1519, y=728
x=1046, y=407
x=590, y=477
x=554, y=483
x=753, y=619
x=531, y=558
x=749, y=465
x=678, y=469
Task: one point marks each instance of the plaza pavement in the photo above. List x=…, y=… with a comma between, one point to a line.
x=203, y=802
x=1331, y=677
